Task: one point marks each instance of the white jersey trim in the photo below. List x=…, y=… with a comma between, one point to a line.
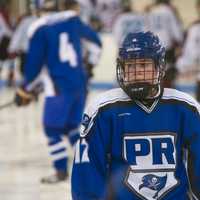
x=180, y=96
x=50, y=19
x=117, y=95
x=105, y=98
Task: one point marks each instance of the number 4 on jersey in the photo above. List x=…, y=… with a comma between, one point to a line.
x=67, y=52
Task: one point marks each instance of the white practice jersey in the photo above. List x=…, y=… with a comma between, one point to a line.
x=191, y=50
x=4, y=28
x=163, y=22
x=87, y=9
x=19, y=41
x=126, y=23
x=108, y=11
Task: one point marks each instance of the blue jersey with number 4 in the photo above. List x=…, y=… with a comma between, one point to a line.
x=55, y=41
x=130, y=151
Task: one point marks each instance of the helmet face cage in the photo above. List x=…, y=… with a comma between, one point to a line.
x=140, y=65
x=140, y=70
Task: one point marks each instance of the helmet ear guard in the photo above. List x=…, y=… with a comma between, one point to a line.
x=141, y=46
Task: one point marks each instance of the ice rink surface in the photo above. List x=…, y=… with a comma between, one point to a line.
x=24, y=154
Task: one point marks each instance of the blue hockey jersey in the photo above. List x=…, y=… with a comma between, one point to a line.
x=129, y=151
x=55, y=41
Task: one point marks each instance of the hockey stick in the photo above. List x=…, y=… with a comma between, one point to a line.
x=8, y=104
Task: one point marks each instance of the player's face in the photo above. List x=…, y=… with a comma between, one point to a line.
x=140, y=70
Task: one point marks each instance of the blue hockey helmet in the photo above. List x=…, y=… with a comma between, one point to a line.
x=141, y=46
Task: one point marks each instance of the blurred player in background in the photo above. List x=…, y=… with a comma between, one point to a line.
x=55, y=41
x=164, y=21
x=19, y=42
x=134, y=137
x=128, y=21
x=89, y=13
x=101, y=14
x=106, y=12
x=5, y=36
x=189, y=62
x=88, y=8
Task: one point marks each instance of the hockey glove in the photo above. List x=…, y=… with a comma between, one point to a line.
x=22, y=97
x=89, y=70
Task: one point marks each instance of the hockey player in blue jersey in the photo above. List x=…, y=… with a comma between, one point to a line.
x=134, y=138
x=56, y=42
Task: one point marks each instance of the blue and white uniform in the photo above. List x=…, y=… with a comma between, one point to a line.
x=129, y=151
x=55, y=42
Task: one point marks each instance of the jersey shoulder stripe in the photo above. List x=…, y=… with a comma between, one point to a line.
x=105, y=98
x=109, y=97
x=37, y=25
x=62, y=16
x=50, y=19
x=173, y=94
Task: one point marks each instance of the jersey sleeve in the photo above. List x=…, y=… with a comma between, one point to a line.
x=189, y=57
x=15, y=44
x=176, y=28
x=185, y=61
x=192, y=138
x=90, y=167
x=117, y=29
x=89, y=34
x=36, y=56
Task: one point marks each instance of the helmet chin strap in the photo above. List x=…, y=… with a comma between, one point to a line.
x=143, y=91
